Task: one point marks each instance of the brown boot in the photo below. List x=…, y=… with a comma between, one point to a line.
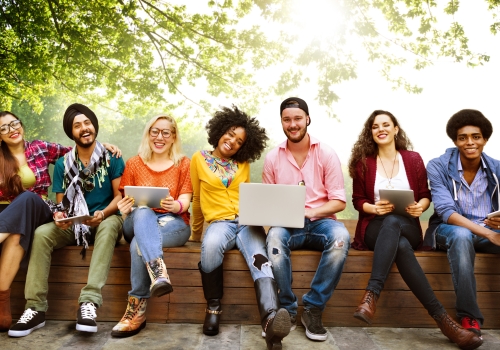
x=134, y=319
x=366, y=309
x=465, y=339
x=160, y=282
x=5, y=314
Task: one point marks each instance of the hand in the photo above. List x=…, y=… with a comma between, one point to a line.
x=415, y=209
x=494, y=222
x=115, y=151
x=169, y=204
x=383, y=207
x=96, y=220
x=62, y=225
x=125, y=205
x=309, y=213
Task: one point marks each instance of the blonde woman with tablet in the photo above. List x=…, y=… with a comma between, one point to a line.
x=159, y=163
x=381, y=159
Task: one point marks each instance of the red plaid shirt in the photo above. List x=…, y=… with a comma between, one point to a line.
x=39, y=154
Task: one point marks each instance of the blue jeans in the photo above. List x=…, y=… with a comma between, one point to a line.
x=326, y=235
x=461, y=246
x=148, y=232
x=224, y=235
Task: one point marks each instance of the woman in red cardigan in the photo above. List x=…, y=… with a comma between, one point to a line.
x=380, y=159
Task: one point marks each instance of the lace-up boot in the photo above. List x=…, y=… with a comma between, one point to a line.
x=366, y=309
x=85, y=318
x=160, y=282
x=5, y=315
x=465, y=339
x=27, y=323
x=311, y=319
x=134, y=319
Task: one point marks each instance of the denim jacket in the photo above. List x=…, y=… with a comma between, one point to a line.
x=444, y=180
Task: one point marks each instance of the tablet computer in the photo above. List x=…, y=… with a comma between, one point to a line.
x=495, y=213
x=399, y=198
x=75, y=219
x=146, y=196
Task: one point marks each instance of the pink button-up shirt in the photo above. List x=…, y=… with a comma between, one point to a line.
x=321, y=172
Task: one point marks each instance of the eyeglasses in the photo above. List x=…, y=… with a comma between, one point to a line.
x=15, y=124
x=154, y=132
x=88, y=185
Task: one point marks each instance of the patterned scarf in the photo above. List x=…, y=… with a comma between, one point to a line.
x=225, y=169
x=76, y=181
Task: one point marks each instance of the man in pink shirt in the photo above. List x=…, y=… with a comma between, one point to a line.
x=302, y=159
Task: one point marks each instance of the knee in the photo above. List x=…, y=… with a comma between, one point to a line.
x=461, y=238
x=277, y=237
x=404, y=246
x=143, y=213
x=339, y=239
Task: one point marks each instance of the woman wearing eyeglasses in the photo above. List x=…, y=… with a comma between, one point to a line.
x=237, y=140
x=381, y=159
x=24, y=180
x=160, y=163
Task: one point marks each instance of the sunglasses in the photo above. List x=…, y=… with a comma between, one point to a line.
x=88, y=185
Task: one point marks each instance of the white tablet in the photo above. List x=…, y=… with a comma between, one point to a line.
x=399, y=198
x=75, y=219
x=147, y=196
x=495, y=213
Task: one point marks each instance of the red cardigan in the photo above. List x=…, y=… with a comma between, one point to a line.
x=363, y=186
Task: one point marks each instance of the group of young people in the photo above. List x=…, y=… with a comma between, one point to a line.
x=89, y=180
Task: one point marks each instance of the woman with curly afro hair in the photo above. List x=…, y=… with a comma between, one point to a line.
x=237, y=140
x=381, y=159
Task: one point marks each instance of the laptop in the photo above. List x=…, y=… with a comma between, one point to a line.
x=272, y=205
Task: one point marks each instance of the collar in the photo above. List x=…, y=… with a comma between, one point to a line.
x=461, y=169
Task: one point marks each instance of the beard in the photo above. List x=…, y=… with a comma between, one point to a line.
x=85, y=144
x=298, y=138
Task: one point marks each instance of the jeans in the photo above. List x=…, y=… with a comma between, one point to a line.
x=224, y=235
x=461, y=246
x=392, y=239
x=326, y=235
x=49, y=237
x=148, y=232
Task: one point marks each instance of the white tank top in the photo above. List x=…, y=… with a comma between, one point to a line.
x=399, y=181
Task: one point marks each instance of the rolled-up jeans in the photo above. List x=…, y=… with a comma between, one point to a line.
x=148, y=232
x=326, y=235
x=461, y=246
x=224, y=235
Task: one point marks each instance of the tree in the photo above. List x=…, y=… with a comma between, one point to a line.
x=135, y=51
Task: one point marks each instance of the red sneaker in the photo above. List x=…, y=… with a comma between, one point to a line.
x=471, y=324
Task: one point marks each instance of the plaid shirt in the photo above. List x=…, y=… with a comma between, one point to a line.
x=39, y=154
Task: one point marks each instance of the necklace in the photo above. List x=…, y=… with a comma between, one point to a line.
x=389, y=185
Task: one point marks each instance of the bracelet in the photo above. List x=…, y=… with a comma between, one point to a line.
x=180, y=204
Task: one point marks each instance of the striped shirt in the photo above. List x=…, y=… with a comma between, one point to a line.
x=473, y=200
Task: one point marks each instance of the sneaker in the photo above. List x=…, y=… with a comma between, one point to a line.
x=471, y=324
x=293, y=321
x=85, y=318
x=311, y=319
x=29, y=321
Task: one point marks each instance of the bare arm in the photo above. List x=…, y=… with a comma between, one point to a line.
x=326, y=210
x=459, y=220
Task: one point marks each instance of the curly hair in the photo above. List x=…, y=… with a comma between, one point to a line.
x=366, y=146
x=227, y=118
x=10, y=181
x=468, y=117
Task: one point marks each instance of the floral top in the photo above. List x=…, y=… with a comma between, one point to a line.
x=225, y=169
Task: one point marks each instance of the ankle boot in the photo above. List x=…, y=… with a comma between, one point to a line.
x=134, y=319
x=366, y=309
x=465, y=339
x=212, y=289
x=275, y=321
x=5, y=314
x=160, y=282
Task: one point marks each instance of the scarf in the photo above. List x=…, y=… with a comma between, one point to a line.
x=76, y=181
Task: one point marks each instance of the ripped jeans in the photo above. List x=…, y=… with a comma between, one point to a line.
x=326, y=235
x=224, y=235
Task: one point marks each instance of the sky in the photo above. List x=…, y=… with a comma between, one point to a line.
x=447, y=88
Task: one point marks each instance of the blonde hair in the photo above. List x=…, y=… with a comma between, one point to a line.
x=175, y=151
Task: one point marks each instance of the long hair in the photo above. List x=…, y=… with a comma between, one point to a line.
x=175, y=151
x=366, y=147
x=10, y=181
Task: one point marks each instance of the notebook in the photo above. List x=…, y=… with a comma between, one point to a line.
x=272, y=205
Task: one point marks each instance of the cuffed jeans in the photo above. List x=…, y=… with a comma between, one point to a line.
x=326, y=235
x=49, y=237
x=224, y=235
x=148, y=232
x=461, y=246
x=392, y=239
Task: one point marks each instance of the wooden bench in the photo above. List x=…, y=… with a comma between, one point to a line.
x=397, y=307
